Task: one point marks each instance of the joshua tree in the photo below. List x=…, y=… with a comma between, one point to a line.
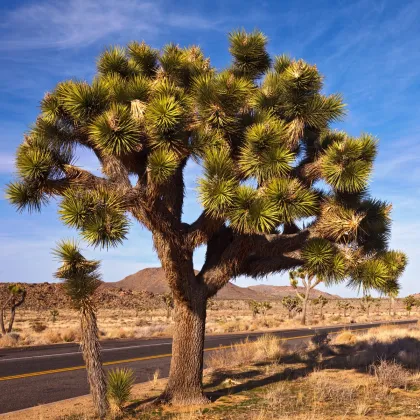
x=345, y=306
x=320, y=301
x=16, y=296
x=260, y=130
x=291, y=304
x=168, y=300
x=54, y=314
x=81, y=279
x=365, y=304
x=255, y=307
x=396, y=262
x=409, y=302
x=309, y=281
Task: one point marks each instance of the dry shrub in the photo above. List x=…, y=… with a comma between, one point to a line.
x=53, y=337
x=221, y=359
x=326, y=390
x=9, y=340
x=70, y=334
x=149, y=331
x=266, y=348
x=390, y=374
x=345, y=337
x=38, y=327
x=117, y=333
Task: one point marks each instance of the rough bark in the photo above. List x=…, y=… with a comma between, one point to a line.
x=391, y=306
x=305, y=305
x=184, y=385
x=14, y=302
x=3, y=329
x=91, y=349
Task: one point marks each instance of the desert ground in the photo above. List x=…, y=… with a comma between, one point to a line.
x=342, y=376
x=41, y=326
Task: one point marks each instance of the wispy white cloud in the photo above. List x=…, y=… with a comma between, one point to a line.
x=79, y=23
x=7, y=163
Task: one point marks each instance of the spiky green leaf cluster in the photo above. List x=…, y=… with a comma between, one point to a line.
x=99, y=215
x=323, y=259
x=260, y=129
x=250, y=57
x=115, y=132
x=80, y=276
x=119, y=384
x=347, y=165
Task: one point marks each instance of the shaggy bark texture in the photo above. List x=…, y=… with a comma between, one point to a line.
x=91, y=350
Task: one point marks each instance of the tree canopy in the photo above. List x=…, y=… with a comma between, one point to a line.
x=280, y=187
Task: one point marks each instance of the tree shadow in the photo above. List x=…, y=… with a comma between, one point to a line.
x=405, y=351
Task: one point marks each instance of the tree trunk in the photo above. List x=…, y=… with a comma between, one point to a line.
x=184, y=385
x=305, y=304
x=91, y=349
x=12, y=319
x=392, y=305
x=3, y=330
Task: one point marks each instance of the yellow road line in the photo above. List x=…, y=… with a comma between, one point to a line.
x=138, y=359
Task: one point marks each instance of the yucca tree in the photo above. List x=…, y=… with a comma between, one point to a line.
x=396, y=262
x=16, y=297
x=260, y=130
x=81, y=278
x=320, y=301
x=309, y=281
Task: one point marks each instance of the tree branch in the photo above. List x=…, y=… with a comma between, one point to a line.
x=230, y=255
x=204, y=227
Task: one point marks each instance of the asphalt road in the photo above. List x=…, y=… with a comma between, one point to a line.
x=44, y=374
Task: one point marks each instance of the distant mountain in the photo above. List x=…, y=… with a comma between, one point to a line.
x=153, y=280
x=278, y=292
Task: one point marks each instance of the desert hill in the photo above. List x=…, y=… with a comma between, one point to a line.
x=141, y=289
x=278, y=292
x=152, y=280
x=43, y=296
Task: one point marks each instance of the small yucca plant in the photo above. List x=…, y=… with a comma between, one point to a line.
x=120, y=382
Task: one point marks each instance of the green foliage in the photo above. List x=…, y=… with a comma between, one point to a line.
x=82, y=101
x=25, y=196
x=345, y=306
x=113, y=60
x=292, y=200
x=323, y=259
x=251, y=212
x=115, y=131
x=119, y=385
x=248, y=50
x=99, y=214
x=161, y=165
x=370, y=274
x=81, y=276
x=144, y=57
x=261, y=131
x=259, y=307
x=292, y=304
x=409, y=302
x=54, y=314
x=346, y=165
x=366, y=302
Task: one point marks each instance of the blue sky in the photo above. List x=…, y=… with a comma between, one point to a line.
x=367, y=50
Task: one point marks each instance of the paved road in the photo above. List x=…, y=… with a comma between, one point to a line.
x=43, y=374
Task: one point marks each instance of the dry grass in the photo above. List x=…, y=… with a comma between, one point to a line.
x=266, y=348
x=391, y=374
x=223, y=317
x=262, y=381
